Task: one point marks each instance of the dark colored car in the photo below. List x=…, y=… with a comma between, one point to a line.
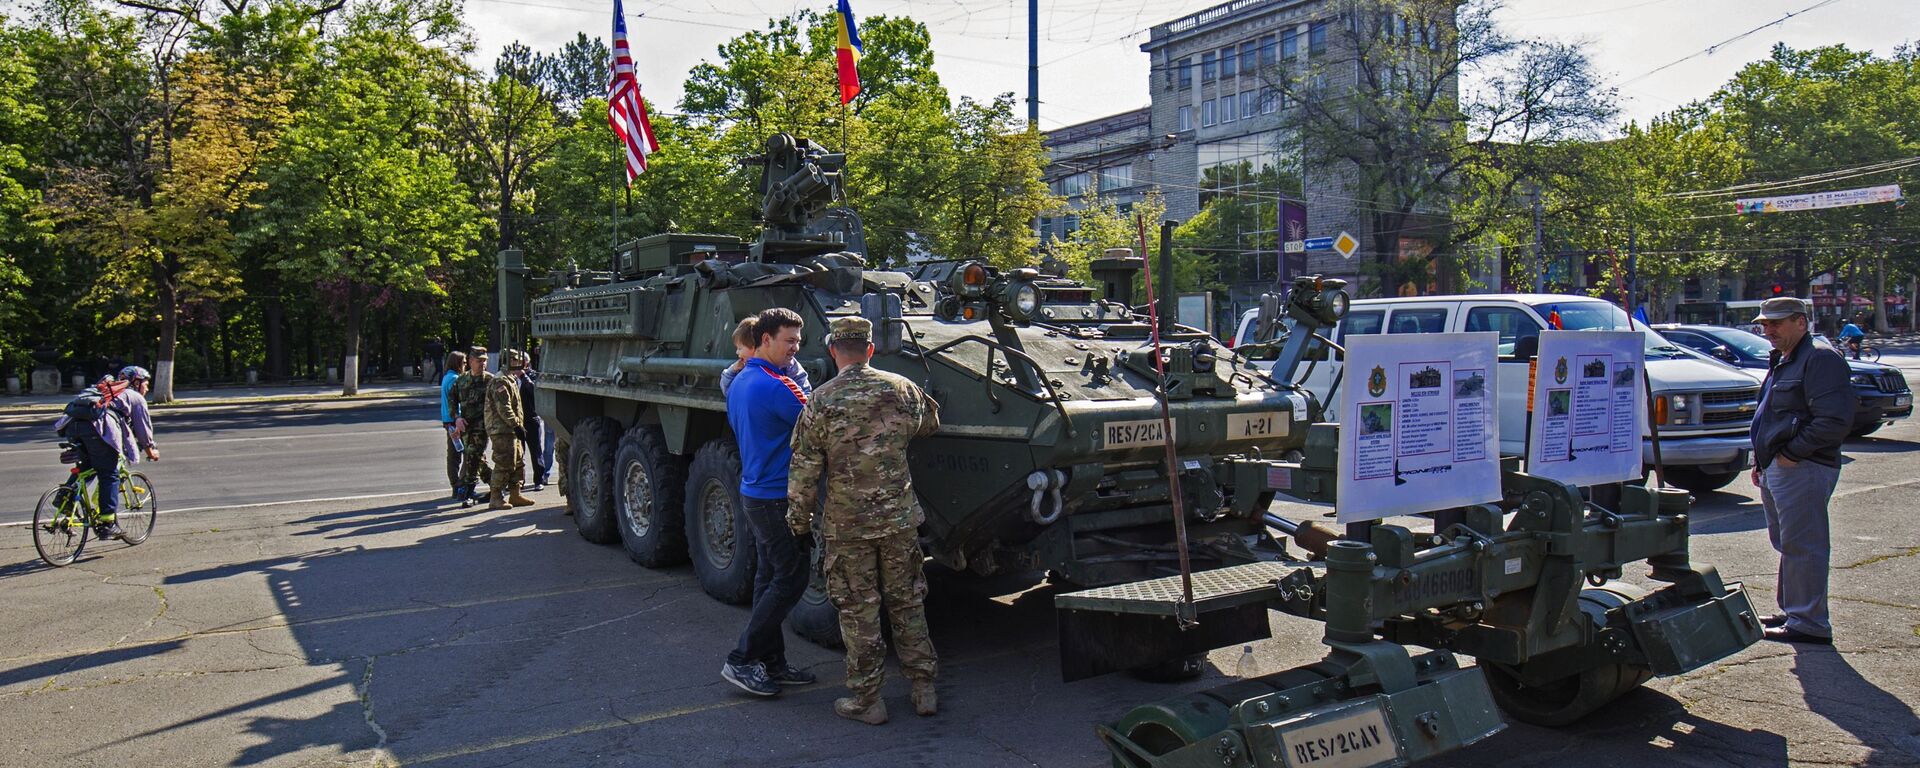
x=1883, y=392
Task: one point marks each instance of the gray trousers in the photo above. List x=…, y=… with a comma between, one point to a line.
x=1795, y=499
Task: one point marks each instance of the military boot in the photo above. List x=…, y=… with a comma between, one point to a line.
x=515, y=499
x=925, y=701
x=496, y=501
x=874, y=713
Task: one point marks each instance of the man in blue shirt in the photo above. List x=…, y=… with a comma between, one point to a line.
x=762, y=405
x=456, y=362
x=1852, y=337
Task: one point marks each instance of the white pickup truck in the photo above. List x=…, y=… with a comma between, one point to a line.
x=1703, y=408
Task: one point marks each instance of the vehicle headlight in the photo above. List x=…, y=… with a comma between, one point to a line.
x=1679, y=402
x=1861, y=379
x=1337, y=303
x=1026, y=300
x=1680, y=413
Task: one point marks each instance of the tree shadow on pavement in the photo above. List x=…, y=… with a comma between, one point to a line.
x=85, y=660
x=1836, y=691
x=1729, y=513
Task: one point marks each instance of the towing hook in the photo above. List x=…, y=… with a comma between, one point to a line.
x=1046, y=482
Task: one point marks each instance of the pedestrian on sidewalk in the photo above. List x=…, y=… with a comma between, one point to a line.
x=506, y=430
x=534, y=441
x=449, y=415
x=472, y=422
x=854, y=432
x=761, y=407
x=1806, y=408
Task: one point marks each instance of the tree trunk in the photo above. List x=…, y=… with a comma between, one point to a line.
x=350, y=368
x=162, y=391
x=273, y=320
x=1880, y=291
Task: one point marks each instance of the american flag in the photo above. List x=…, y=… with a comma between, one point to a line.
x=626, y=111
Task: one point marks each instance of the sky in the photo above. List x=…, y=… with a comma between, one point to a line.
x=1091, y=64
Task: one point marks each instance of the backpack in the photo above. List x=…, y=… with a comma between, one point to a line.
x=92, y=402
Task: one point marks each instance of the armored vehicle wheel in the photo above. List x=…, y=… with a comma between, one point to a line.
x=717, y=537
x=1563, y=701
x=814, y=617
x=591, y=462
x=1699, y=482
x=649, y=487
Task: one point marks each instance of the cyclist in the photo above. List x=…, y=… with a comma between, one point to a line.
x=113, y=435
x=1852, y=337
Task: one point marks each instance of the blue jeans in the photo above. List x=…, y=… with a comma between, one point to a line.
x=779, y=578
x=97, y=455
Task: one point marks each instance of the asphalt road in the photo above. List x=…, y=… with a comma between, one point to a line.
x=405, y=630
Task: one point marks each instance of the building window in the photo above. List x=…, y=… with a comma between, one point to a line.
x=1269, y=51
x=1247, y=55
x=1249, y=103
x=1069, y=225
x=1226, y=108
x=1317, y=39
x=1116, y=177
x=1206, y=112
x=1183, y=118
x=1071, y=186
x=1209, y=68
x=1289, y=45
x=1269, y=101
x=1046, y=228
x=1185, y=68
x=1227, y=68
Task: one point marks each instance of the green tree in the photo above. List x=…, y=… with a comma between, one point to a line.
x=370, y=206
x=20, y=119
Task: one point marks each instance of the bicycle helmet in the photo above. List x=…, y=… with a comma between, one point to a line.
x=134, y=373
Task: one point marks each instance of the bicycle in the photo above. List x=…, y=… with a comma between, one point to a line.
x=65, y=517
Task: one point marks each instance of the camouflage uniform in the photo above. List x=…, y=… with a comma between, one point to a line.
x=472, y=391
x=855, y=430
x=505, y=422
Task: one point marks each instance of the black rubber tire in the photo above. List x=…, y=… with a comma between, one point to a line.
x=1866, y=430
x=591, y=462
x=1700, y=482
x=139, y=508
x=718, y=540
x=58, y=538
x=814, y=618
x=649, y=486
x=1564, y=701
x=1177, y=670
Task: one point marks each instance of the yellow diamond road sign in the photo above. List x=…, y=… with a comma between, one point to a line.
x=1345, y=244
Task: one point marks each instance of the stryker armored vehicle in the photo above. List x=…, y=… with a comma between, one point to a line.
x=1529, y=585
x=1050, y=454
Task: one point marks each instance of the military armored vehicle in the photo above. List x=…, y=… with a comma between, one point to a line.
x=1051, y=451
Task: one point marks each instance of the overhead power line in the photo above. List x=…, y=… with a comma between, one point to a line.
x=1801, y=181
x=1711, y=49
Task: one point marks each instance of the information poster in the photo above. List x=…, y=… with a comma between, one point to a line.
x=1418, y=429
x=1588, y=407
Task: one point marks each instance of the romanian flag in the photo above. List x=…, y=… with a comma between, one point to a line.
x=847, y=55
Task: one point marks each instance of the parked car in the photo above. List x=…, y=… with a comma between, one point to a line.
x=1703, y=408
x=1883, y=392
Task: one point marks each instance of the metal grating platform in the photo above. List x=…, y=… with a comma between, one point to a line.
x=1212, y=590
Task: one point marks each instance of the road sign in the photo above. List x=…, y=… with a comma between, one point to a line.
x=1318, y=243
x=1295, y=246
x=1345, y=245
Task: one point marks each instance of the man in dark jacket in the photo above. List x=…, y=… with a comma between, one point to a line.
x=1806, y=408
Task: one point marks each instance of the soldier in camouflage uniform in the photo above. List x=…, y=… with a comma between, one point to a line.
x=854, y=431
x=471, y=392
x=506, y=429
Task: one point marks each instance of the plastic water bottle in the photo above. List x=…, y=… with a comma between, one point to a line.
x=1244, y=667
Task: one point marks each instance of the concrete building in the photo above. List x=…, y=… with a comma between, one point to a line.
x=1112, y=156
x=1213, y=121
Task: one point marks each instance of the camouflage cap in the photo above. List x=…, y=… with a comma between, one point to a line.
x=850, y=329
x=515, y=358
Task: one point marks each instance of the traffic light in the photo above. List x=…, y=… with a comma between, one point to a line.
x=1778, y=289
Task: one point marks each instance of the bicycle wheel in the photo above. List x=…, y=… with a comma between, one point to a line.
x=59, y=532
x=139, y=509
x=1870, y=354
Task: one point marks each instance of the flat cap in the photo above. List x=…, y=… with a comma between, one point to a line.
x=850, y=329
x=1781, y=308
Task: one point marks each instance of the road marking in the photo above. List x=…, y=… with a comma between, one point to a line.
x=256, y=505
x=186, y=443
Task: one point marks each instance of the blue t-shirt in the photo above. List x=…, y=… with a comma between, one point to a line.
x=762, y=406
x=1851, y=331
x=446, y=397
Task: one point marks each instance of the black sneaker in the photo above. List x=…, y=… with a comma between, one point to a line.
x=108, y=531
x=751, y=678
x=788, y=674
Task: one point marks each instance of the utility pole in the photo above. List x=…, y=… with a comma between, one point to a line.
x=1539, y=236
x=1033, y=64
